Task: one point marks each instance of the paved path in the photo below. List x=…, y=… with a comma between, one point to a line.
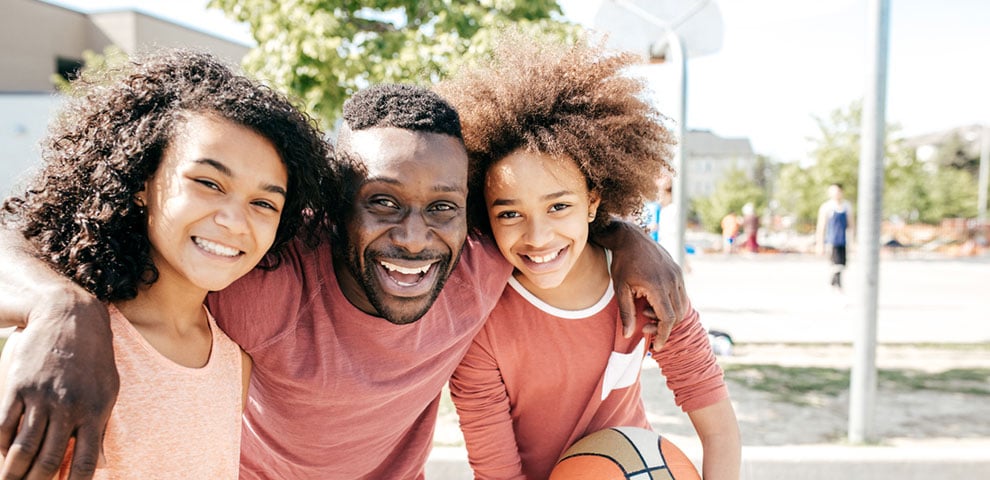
x=786, y=298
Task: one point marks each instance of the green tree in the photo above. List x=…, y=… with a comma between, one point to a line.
x=913, y=190
x=733, y=191
x=93, y=63
x=323, y=51
x=801, y=190
x=956, y=153
x=907, y=192
x=797, y=194
x=836, y=151
x=953, y=195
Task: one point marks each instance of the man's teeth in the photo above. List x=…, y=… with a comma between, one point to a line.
x=406, y=270
x=543, y=258
x=216, y=248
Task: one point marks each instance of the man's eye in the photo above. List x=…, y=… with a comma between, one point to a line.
x=384, y=202
x=444, y=207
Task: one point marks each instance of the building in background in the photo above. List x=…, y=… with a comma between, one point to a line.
x=39, y=40
x=708, y=157
x=958, y=143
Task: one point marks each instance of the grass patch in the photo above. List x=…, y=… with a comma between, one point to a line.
x=802, y=385
x=974, y=381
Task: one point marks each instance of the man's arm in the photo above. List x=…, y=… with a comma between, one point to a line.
x=62, y=380
x=642, y=268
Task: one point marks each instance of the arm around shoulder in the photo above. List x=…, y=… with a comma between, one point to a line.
x=642, y=268
x=62, y=380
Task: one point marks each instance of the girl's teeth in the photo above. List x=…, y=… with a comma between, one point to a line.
x=544, y=258
x=216, y=248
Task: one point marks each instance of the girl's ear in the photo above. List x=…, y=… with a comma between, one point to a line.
x=141, y=197
x=594, y=200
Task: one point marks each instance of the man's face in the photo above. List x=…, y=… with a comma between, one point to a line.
x=408, y=224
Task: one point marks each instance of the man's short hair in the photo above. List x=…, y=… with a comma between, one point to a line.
x=401, y=106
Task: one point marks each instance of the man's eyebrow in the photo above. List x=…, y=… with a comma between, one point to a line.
x=444, y=188
x=227, y=172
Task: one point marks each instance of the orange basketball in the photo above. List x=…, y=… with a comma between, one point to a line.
x=621, y=453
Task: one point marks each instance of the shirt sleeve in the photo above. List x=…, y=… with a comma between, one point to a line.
x=258, y=306
x=689, y=364
x=482, y=404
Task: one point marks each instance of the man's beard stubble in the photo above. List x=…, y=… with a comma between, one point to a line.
x=379, y=301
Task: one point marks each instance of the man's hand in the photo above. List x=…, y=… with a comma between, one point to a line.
x=62, y=383
x=641, y=268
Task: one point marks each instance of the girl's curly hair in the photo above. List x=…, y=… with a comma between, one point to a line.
x=562, y=100
x=79, y=212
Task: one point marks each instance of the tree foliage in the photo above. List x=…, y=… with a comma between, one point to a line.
x=735, y=189
x=93, y=64
x=323, y=51
x=835, y=152
x=913, y=190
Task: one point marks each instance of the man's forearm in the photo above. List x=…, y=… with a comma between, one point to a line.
x=642, y=269
x=26, y=281
x=617, y=234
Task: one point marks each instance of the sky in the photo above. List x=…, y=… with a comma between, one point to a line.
x=782, y=63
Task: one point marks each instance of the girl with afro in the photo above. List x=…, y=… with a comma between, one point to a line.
x=163, y=181
x=561, y=140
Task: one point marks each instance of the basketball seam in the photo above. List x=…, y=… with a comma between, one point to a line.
x=650, y=470
x=642, y=460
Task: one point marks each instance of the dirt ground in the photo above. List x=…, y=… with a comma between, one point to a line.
x=917, y=401
x=925, y=393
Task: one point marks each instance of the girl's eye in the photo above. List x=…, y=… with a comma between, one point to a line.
x=558, y=207
x=507, y=214
x=266, y=204
x=208, y=184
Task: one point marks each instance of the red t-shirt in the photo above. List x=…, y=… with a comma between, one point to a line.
x=339, y=394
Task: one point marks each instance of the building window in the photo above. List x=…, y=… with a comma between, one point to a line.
x=68, y=68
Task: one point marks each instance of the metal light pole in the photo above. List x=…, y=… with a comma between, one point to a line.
x=863, y=381
x=984, y=182
x=673, y=50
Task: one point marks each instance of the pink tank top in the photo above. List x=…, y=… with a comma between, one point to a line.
x=171, y=421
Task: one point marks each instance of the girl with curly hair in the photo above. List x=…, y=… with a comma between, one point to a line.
x=561, y=141
x=162, y=182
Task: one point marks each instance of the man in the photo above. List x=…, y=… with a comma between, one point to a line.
x=351, y=343
x=835, y=220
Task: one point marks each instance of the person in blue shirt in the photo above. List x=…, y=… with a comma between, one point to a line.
x=835, y=227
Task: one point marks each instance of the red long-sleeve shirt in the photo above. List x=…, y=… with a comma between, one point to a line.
x=537, y=379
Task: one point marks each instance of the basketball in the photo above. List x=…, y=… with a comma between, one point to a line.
x=620, y=453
